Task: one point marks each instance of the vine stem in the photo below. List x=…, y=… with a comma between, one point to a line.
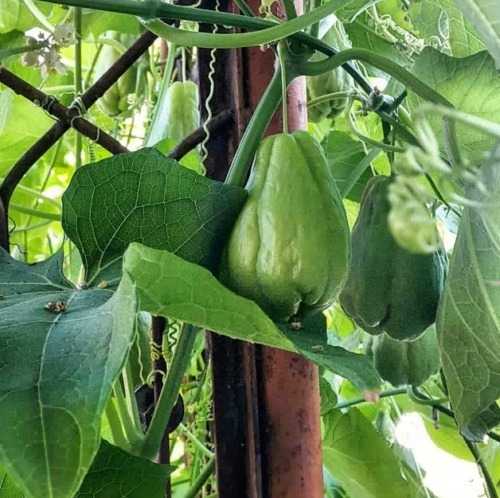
x=254, y=131
x=284, y=83
x=488, y=481
x=359, y=401
x=152, y=10
x=78, y=80
x=169, y=393
x=483, y=125
x=382, y=63
x=205, y=474
x=157, y=126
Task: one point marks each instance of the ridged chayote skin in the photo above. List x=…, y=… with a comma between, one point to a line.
x=115, y=102
x=406, y=362
x=389, y=289
x=289, y=250
x=332, y=81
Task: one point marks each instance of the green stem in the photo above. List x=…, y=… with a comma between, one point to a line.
x=22, y=50
x=130, y=396
x=384, y=64
x=282, y=55
x=359, y=401
x=78, y=80
x=150, y=12
x=35, y=212
x=134, y=437
x=90, y=72
x=38, y=14
x=157, y=126
x=36, y=193
x=358, y=171
x=27, y=228
x=115, y=425
x=289, y=8
x=364, y=138
x=245, y=9
x=416, y=396
x=201, y=479
x=169, y=392
x=254, y=131
x=326, y=98
x=488, y=481
x=195, y=441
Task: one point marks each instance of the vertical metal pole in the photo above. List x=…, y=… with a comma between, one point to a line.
x=289, y=401
x=235, y=426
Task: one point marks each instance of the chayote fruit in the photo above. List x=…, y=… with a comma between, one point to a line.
x=406, y=362
x=389, y=289
x=289, y=250
x=334, y=81
x=115, y=102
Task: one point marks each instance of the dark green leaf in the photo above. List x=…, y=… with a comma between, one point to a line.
x=343, y=155
x=57, y=371
x=117, y=474
x=145, y=197
x=170, y=286
x=478, y=427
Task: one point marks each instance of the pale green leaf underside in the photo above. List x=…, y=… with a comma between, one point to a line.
x=170, y=286
x=359, y=459
x=471, y=84
x=57, y=370
x=469, y=315
x=484, y=15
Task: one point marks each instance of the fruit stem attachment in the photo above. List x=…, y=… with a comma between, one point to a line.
x=282, y=54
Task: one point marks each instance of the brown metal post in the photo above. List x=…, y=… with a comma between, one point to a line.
x=289, y=401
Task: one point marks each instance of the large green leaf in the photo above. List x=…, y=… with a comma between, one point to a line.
x=463, y=39
x=117, y=474
x=484, y=15
x=359, y=459
x=14, y=14
x=170, y=286
x=57, y=371
x=145, y=197
x=468, y=322
x=471, y=84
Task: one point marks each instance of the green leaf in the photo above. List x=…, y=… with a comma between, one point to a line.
x=477, y=429
x=169, y=286
x=343, y=155
x=117, y=474
x=430, y=20
x=359, y=459
x=21, y=125
x=145, y=197
x=463, y=39
x=484, y=15
x=57, y=372
x=8, y=487
x=468, y=322
x=362, y=35
x=353, y=9
x=471, y=84
x=9, y=13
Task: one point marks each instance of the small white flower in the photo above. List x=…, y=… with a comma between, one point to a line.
x=52, y=62
x=31, y=59
x=64, y=34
